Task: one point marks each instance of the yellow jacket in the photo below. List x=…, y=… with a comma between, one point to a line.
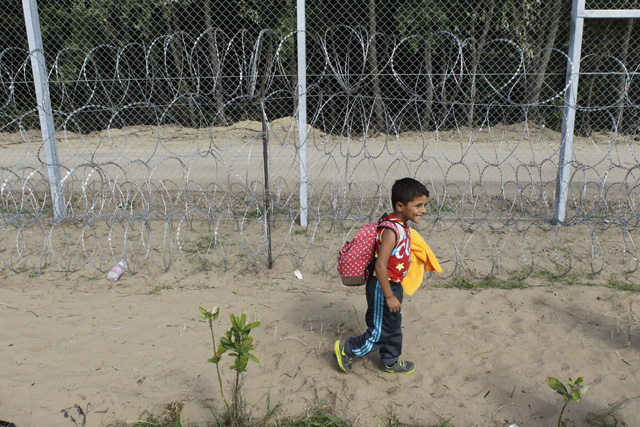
x=422, y=258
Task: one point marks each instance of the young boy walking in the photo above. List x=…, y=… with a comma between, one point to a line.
x=383, y=289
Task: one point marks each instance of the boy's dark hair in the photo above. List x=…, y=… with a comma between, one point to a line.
x=406, y=189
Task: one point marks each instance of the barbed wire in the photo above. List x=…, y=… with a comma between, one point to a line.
x=161, y=152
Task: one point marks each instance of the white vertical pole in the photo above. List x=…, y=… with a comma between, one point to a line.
x=41, y=81
x=302, y=109
x=569, y=112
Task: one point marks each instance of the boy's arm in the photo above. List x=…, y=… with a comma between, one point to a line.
x=388, y=242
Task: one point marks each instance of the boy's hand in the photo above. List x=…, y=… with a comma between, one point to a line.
x=393, y=304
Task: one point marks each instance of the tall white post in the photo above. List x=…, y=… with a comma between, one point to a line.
x=302, y=110
x=41, y=81
x=569, y=113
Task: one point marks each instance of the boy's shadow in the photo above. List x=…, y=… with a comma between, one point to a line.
x=322, y=317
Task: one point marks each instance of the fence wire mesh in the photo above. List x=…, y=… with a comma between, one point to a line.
x=171, y=116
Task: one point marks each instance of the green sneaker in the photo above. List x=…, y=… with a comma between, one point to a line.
x=344, y=361
x=400, y=367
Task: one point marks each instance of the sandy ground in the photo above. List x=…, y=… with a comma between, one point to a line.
x=120, y=349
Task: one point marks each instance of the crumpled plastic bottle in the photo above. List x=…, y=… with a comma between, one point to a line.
x=116, y=271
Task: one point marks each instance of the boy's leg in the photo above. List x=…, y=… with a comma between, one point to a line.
x=343, y=349
x=390, y=352
x=392, y=348
x=381, y=323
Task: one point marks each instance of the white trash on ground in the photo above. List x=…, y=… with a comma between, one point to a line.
x=117, y=270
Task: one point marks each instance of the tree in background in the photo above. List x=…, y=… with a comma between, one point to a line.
x=420, y=22
x=192, y=54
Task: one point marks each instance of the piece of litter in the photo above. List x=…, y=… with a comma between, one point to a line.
x=117, y=270
x=298, y=274
x=513, y=425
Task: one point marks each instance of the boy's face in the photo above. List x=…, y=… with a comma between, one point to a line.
x=413, y=210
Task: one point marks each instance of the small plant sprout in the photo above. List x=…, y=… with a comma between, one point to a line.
x=574, y=393
x=211, y=316
x=238, y=342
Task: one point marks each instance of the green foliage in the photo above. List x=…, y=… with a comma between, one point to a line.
x=435, y=208
x=574, y=388
x=238, y=342
x=148, y=420
x=513, y=282
x=421, y=17
x=575, y=391
x=572, y=279
x=614, y=283
x=197, y=251
x=320, y=416
x=162, y=287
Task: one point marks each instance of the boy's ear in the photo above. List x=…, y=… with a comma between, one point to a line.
x=399, y=206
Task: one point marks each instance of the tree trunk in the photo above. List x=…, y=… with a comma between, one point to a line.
x=477, y=54
x=293, y=61
x=112, y=26
x=543, y=50
x=622, y=82
x=597, y=69
x=428, y=98
x=183, y=85
x=375, y=71
x=293, y=71
x=215, y=61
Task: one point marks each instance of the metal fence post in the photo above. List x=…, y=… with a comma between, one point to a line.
x=41, y=82
x=302, y=109
x=569, y=113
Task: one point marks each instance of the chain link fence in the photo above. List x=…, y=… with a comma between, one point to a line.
x=178, y=140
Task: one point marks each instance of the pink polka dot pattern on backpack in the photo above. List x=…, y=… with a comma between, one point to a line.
x=356, y=255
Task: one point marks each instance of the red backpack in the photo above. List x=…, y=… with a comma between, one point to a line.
x=356, y=258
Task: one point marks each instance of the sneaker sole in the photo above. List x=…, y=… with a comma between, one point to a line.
x=336, y=348
x=396, y=372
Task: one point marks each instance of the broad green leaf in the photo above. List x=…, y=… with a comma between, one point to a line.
x=242, y=363
x=575, y=395
x=555, y=384
x=578, y=381
x=252, y=325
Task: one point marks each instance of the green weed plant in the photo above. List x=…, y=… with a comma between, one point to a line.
x=238, y=342
x=576, y=389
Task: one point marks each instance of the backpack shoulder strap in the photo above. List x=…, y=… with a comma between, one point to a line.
x=383, y=223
